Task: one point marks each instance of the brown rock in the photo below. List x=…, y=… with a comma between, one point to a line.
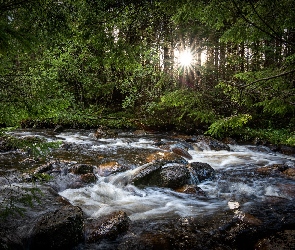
x=108, y=168
x=290, y=172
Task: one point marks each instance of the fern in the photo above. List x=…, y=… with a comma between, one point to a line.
x=228, y=125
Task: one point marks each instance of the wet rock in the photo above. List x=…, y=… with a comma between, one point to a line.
x=44, y=168
x=59, y=229
x=287, y=150
x=88, y=178
x=108, y=168
x=179, y=150
x=284, y=240
x=274, y=169
x=212, y=143
x=229, y=140
x=82, y=169
x=39, y=219
x=248, y=218
x=103, y=131
x=191, y=189
x=58, y=129
x=107, y=227
x=290, y=172
x=146, y=241
x=171, y=175
x=202, y=171
x=164, y=156
x=145, y=174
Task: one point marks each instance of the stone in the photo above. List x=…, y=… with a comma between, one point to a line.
x=59, y=229
x=39, y=219
x=106, y=227
x=58, y=129
x=212, y=143
x=202, y=171
x=82, y=169
x=108, y=168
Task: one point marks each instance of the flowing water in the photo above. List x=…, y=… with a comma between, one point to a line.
x=237, y=182
x=236, y=177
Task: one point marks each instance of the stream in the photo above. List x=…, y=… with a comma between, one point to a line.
x=238, y=185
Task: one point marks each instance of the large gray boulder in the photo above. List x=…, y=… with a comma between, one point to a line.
x=38, y=218
x=163, y=174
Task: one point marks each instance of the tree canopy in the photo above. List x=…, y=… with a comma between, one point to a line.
x=84, y=60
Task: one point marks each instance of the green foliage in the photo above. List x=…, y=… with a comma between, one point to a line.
x=181, y=108
x=274, y=136
x=228, y=125
x=35, y=146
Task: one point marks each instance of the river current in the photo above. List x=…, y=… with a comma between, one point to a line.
x=237, y=184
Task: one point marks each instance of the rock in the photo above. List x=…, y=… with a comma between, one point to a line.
x=171, y=175
x=290, y=172
x=145, y=174
x=275, y=169
x=88, y=178
x=44, y=168
x=108, y=168
x=59, y=229
x=179, y=150
x=82, y=169
x=107, y=227
x=39, y=219
x=58, y=129
x=164, y=156
x=191, y=189
x=103, y=131
x=212, y=143
x=287, y=150
x=284, y=240
x=229, y=140
x=202, y=171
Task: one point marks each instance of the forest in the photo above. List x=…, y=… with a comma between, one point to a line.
x=226, y=68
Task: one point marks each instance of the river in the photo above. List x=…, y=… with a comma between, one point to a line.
x=238, y=185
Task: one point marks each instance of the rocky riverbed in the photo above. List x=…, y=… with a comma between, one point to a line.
x=138, y=190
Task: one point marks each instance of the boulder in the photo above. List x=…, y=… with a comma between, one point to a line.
x=82, y=169
x=202, y=171
x=212, y=143
x=180, y=150
x=59, y=229
x=170, y=175
x=111, y=167
x=36, y=217
x=106, y=227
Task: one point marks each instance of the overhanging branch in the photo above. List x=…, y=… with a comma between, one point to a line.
x=272, y=77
